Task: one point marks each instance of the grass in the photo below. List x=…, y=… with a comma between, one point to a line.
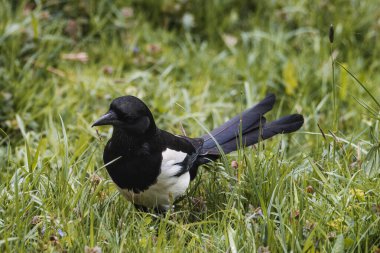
x=314, y=190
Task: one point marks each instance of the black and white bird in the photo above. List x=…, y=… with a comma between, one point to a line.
x=152, y=167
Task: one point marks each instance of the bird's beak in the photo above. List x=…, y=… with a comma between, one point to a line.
x=109, y=118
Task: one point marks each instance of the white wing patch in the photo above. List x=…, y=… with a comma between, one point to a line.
x=168, y=186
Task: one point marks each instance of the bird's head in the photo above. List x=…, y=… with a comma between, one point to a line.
x=130, y=114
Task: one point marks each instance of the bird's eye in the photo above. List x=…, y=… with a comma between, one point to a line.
x=130, y=120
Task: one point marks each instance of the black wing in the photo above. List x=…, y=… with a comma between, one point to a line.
x=191, y=146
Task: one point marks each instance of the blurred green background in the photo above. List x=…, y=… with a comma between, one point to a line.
x=62, y=62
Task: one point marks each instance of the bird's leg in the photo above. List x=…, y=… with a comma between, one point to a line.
x=142, y=208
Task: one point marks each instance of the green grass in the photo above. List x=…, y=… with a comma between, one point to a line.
x=314, y=190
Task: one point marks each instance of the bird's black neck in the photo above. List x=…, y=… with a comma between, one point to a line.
x=122, y=140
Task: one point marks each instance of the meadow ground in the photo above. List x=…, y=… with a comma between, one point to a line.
x=195, y=63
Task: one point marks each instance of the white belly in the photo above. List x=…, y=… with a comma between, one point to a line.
x=167, y=187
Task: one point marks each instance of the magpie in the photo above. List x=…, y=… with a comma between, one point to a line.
x=152, y=167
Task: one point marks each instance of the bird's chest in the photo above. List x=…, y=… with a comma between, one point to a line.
x=151, y=180
x=134, y=171
x=161, y=194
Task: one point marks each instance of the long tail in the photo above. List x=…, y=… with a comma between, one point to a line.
x=253, y=127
